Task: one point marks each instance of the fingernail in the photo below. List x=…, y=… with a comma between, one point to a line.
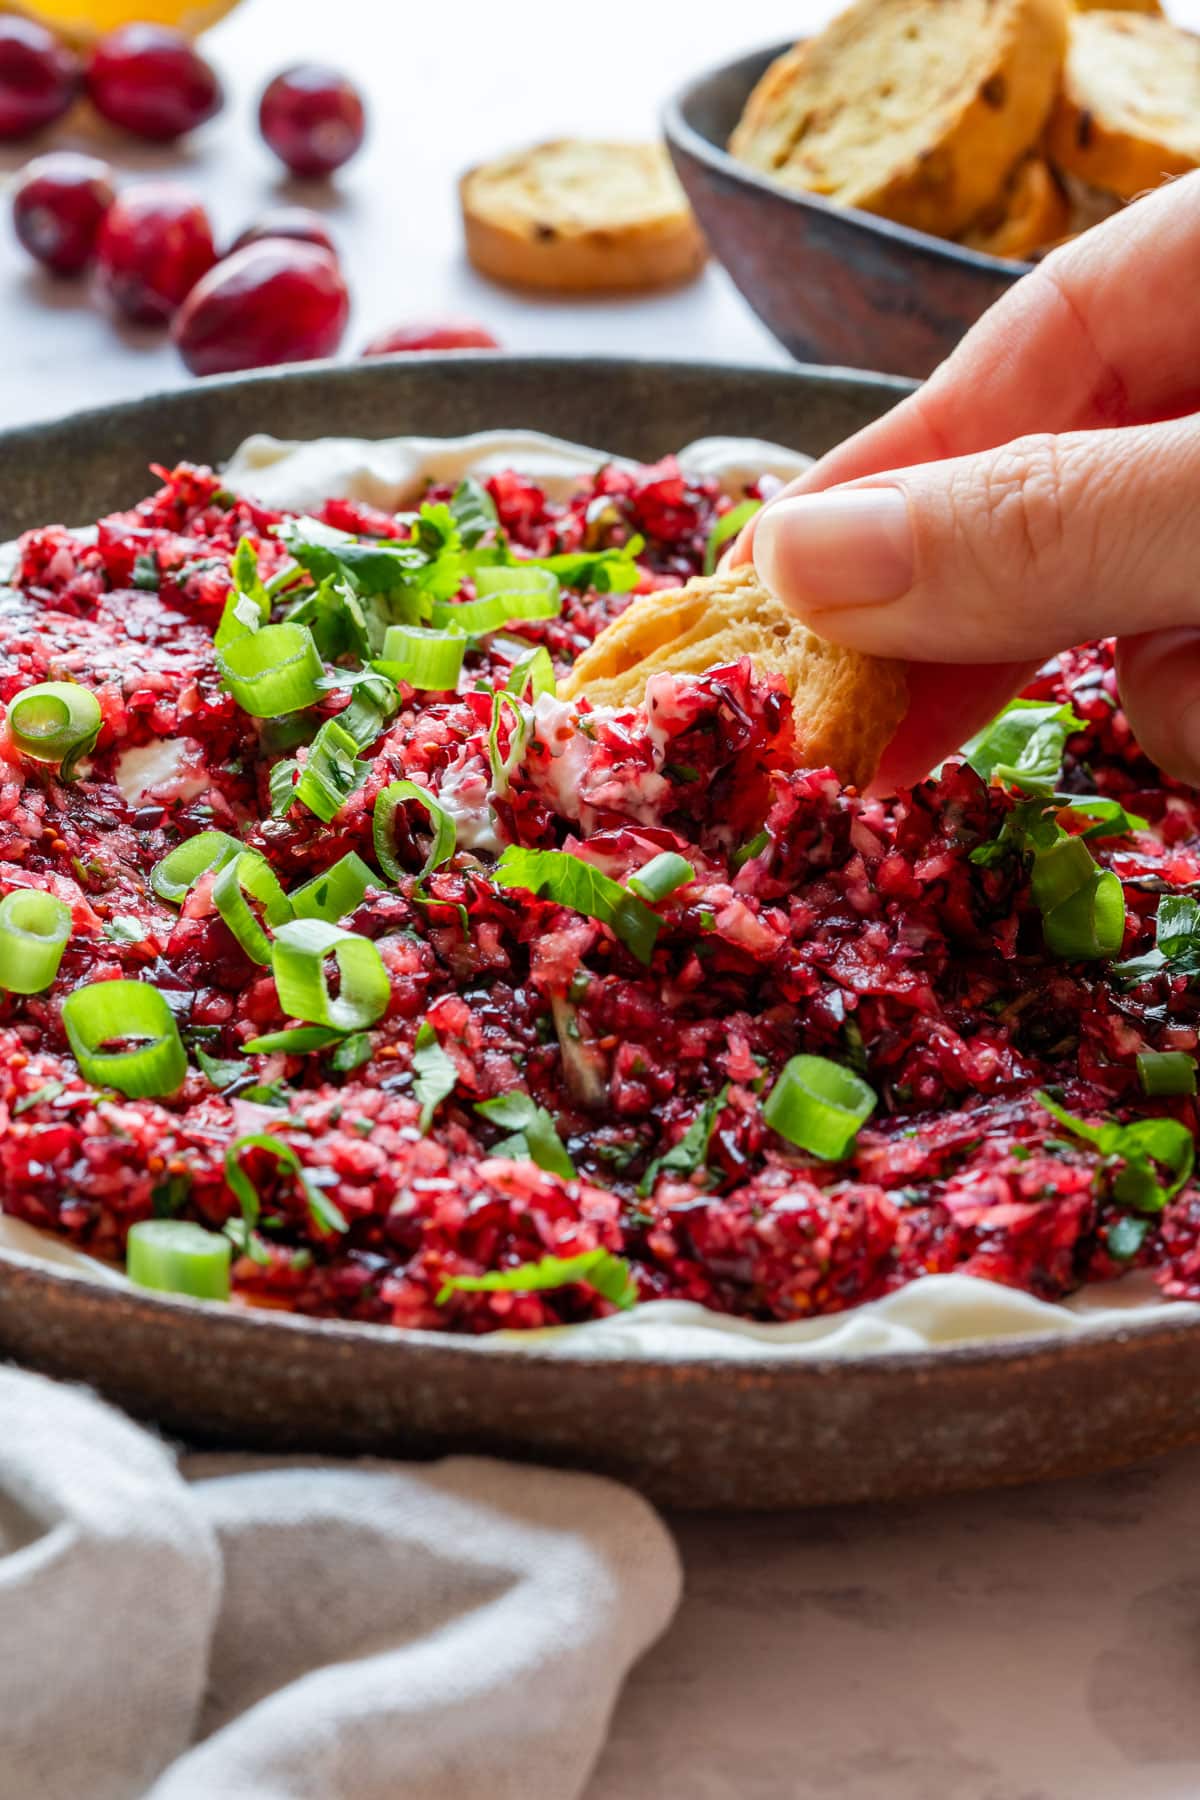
x=847, y=547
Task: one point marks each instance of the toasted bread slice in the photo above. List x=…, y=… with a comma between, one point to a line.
x=1135, y=6
x=1128, y=112
x=1030, y=213
x=576, y=217
x=908, y=108
x=845, y=705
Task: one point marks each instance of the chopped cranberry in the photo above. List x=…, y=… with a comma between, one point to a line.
x=39, y=77
x=154, y=245
x=152, y=81
x=312, y=118
x=59, y=203
x=297, y=222
x=273, y=302
x=453, y=334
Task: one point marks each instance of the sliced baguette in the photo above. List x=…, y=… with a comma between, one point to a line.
x=1128, y=112
x=1030, y=213
x=845, y=705
x=1135, y=6
x=916, y=109
x=574, y=216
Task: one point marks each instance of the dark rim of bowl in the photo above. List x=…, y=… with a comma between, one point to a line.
x=1160, y=1328
x=680, y=132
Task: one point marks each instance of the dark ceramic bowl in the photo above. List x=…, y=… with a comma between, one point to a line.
x=770, y=1433
x=835, y=285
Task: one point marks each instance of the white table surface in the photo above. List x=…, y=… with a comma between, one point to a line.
x=1041, y=1645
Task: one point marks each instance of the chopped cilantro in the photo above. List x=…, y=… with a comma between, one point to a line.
x=609, y=1275
x=434, y=1075
x=534, y=1134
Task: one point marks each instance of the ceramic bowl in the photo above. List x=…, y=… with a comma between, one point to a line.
x=835, y=285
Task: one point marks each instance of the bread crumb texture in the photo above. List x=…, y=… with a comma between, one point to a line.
x=846, y=706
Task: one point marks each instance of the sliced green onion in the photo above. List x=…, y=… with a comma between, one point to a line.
x=298, y=957
x=532, y=676
x=504, y=597
x=34, y=928
x=726, y=527
x=173, y=1257
x=569, y=881
x=55, y=722
x=181, y=868
x=534, y=1134
x=296, y=1040
x=661, y=876
x=250, y=874
x=502, y=766
x=819, y=1105
x=1061, y=871
x=335, y=893
x=425, y=659
x=331, y=774
x=1163, y=1072
x=609, y=1275
x=1090, y=924
x=154, y=1062
x=435, y=1075
x=248, y=607
x=272, y=671
x=387, y=804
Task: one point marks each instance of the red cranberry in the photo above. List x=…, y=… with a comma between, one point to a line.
x=273, y=302
x=154, y=245
x=453, y=334
x=312, y=118
x=39, y=77
x=152, y=81
x=289, y=222
x=59, y=202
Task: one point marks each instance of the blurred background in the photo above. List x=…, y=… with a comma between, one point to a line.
x=443, y=89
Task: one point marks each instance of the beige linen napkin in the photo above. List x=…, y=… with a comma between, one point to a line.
x=280, y=1629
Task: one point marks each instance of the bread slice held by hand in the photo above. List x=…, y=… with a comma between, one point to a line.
x=1129, y=110
x=583, y=217
x=915, y=109
x=845, y=706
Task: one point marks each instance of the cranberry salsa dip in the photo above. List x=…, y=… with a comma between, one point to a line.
x=345, y=968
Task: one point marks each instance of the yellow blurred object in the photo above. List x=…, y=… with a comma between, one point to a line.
x=92, y=18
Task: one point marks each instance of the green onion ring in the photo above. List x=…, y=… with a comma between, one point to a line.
x=387, y=803
x=425, y=659
x=34, y=928
x=273, y=671
x=55, y=722
x=661, y=876
x=298, y=957
x=1165, y=1072
x=113, y=1010
x=250, y=874
x=335, y=893
x=819, y=1106
x=180, y=869
x=172, y=1256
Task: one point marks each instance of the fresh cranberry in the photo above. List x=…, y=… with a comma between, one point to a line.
x=152, y=81
x=312, y=118
x=453, y=334
x=39, y=77
x=288, y=222
x=59, y=203
x=273, y=302
x=154, y=245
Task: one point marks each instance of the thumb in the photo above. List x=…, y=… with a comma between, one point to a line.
x=1001, y=557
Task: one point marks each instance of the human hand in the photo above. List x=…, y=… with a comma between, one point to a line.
x=1041, y=490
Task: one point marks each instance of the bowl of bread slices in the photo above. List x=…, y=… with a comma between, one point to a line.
x=874, y=188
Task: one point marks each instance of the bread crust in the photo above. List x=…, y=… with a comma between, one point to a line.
x=913, y=110
x=1030, y=213
x=845, y=706
x=579, y=217
x=1128, y=112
